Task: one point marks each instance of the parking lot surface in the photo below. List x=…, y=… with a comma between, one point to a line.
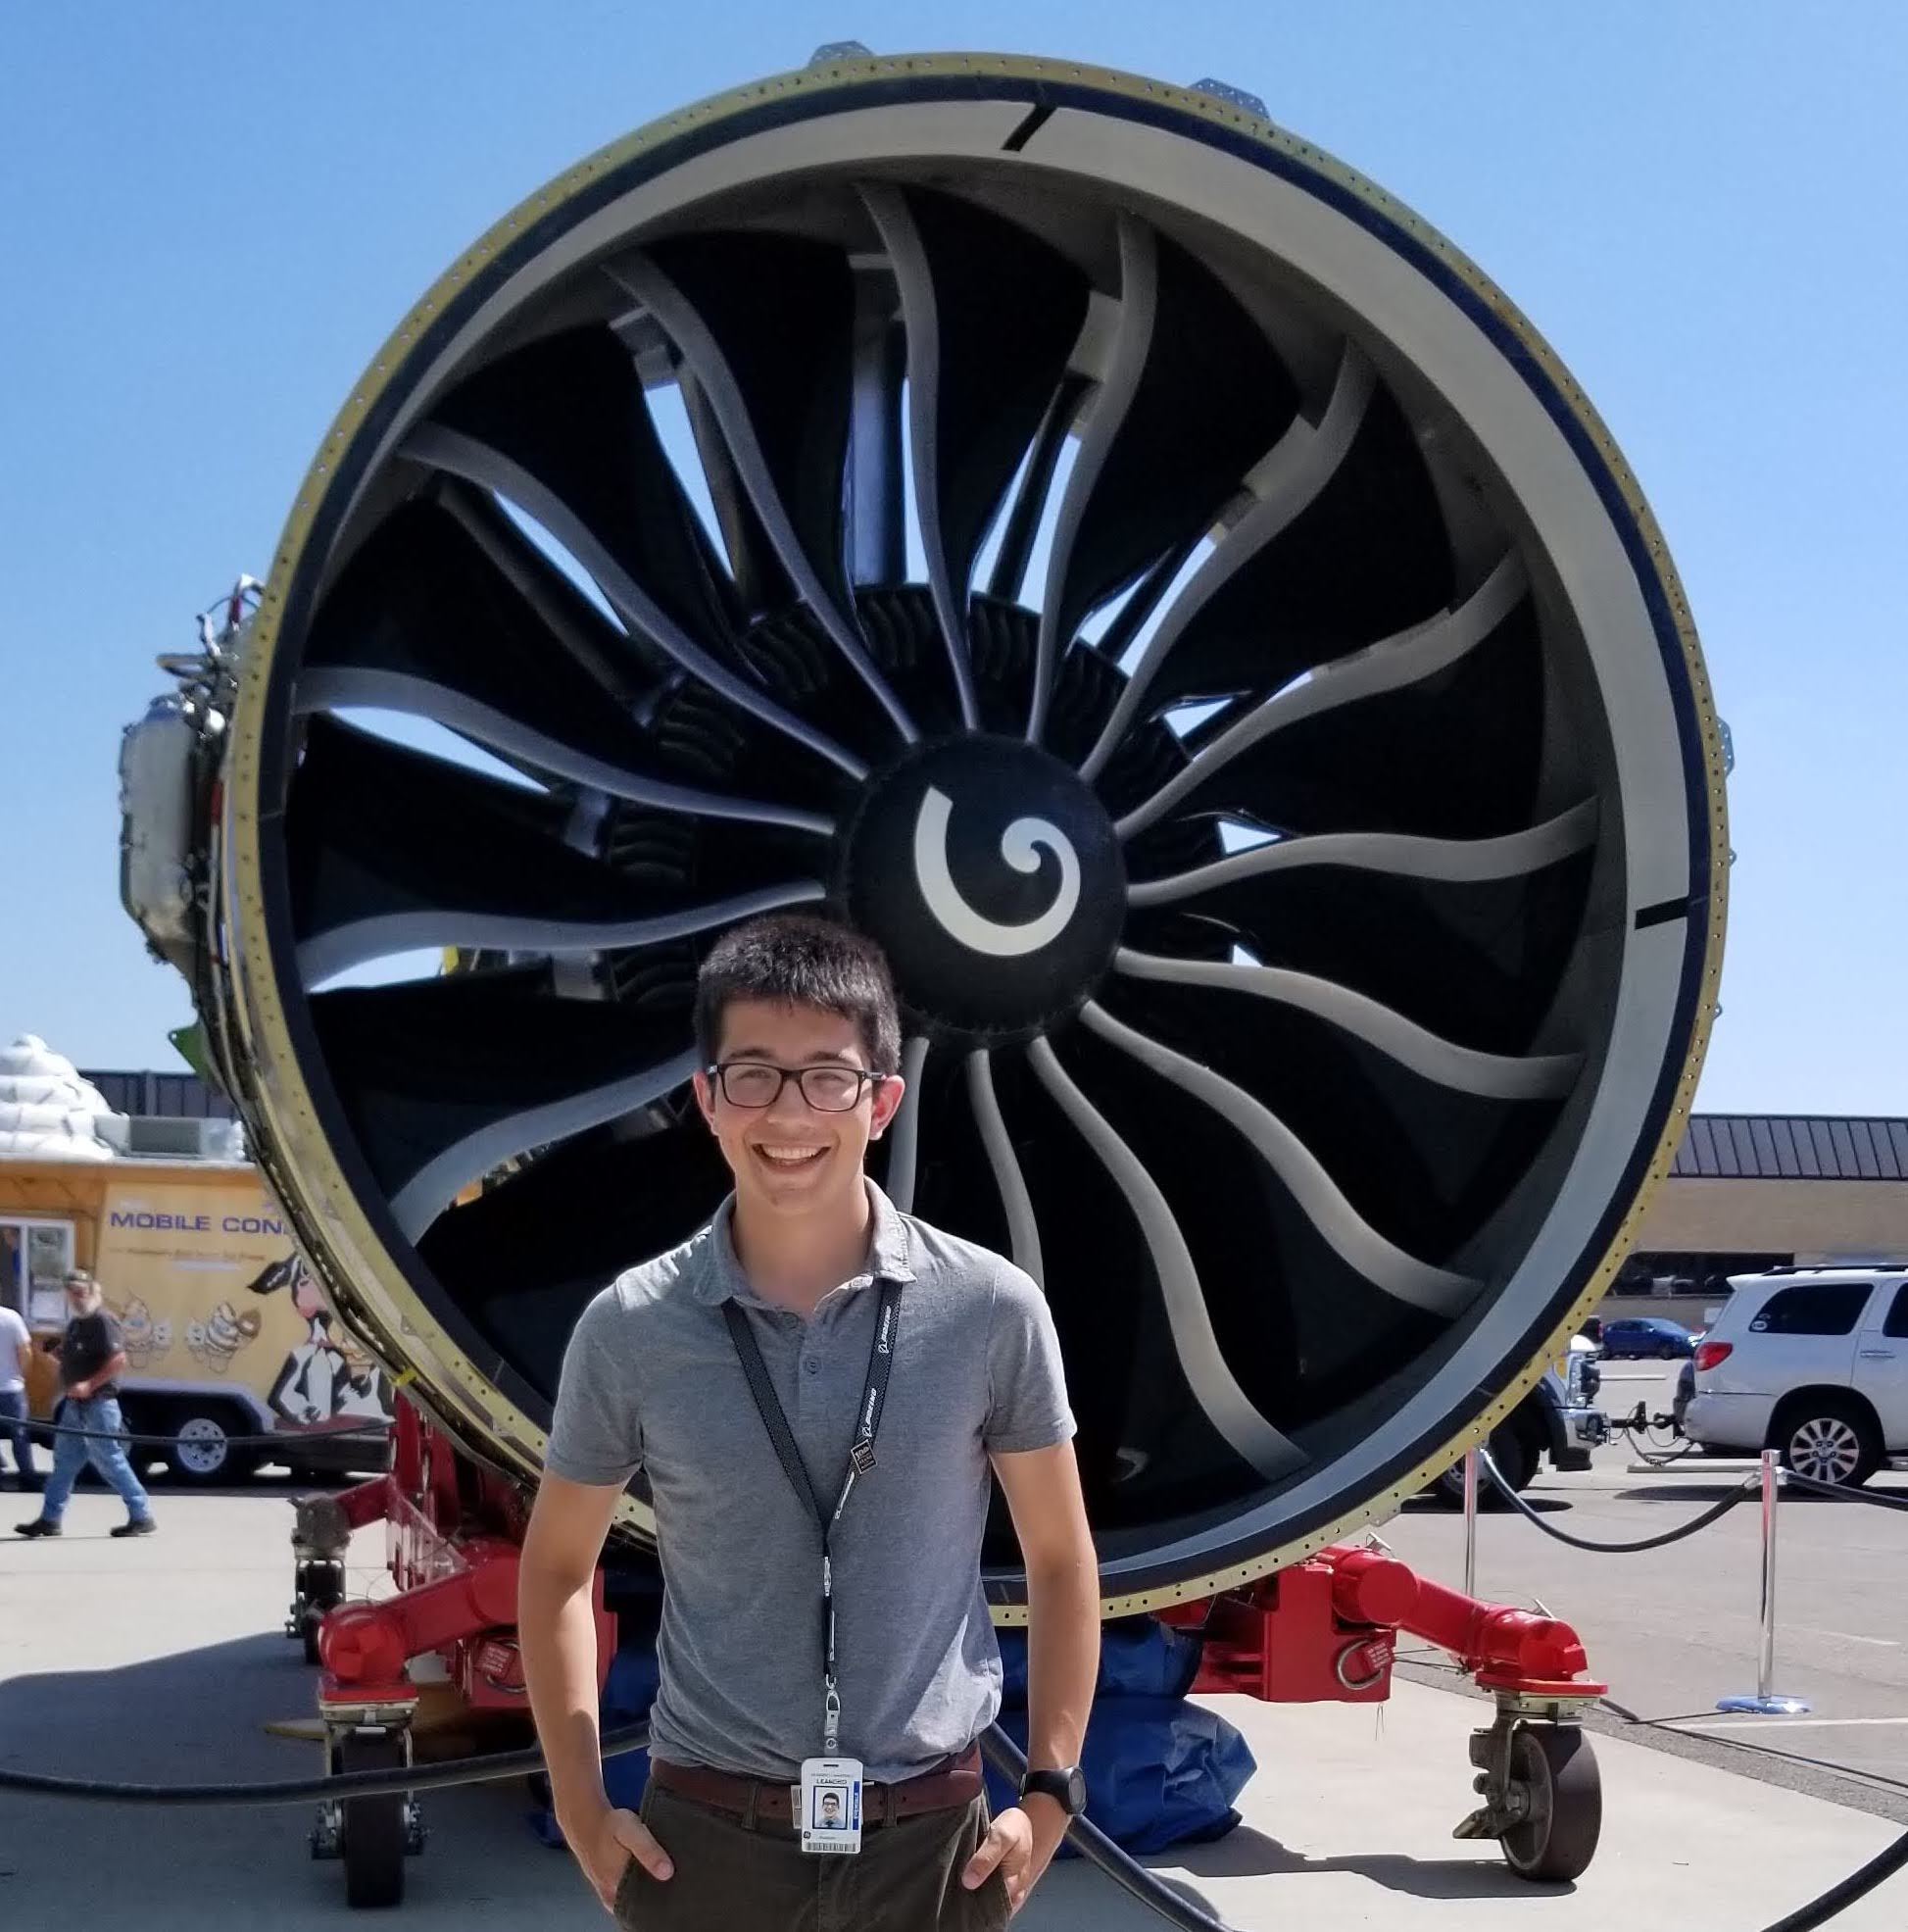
x=1675, y=1629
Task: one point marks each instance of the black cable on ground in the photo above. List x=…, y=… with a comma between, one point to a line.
x=1656, y=1542
x=298, y=1791
x=1101, y=1852
x=278, y=1440
x=1674, y=1727
x=1841, y=1492
x=1839, y=1898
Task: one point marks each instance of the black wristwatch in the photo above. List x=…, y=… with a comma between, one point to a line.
x=1068, y=1788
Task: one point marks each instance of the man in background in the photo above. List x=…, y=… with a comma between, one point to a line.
x=91, y=1359
x=16, y=1352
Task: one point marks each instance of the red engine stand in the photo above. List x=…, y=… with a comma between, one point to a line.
x=453, y=1533
x=1327, y=1630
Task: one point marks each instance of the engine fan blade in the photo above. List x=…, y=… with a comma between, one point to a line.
x=1291, y=585
x=443, y=1080
x=779, y=376
x=390, y=850
x=1438, y=733
x=982, y=374
x=1165, y=449
x=423, y=622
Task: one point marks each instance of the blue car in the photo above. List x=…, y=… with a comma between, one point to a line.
x=1647, y=1335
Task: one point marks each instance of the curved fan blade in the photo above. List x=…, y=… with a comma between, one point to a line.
x=1512, y=855
x=443, y=1080
x=423, y=622
x=1227, y=1406
x=761, y=583
x=1165, y=448
x=1490, y=1076
x=460, y=455
x=1420, y=1163
x=1286, y=483
x=904, y=1131
x=569, y=410
x=523, y=1258
x=390, y=850
x=1017, y=1203
x=777, y=372
x=1477, y=960
x=1436, y=1290
x=1460, y=750
x=982, y=372
x=1024, y=516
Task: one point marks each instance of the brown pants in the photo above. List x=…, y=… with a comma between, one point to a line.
x=732, y=1878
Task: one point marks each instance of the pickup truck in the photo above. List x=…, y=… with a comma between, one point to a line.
x=1557, y=1419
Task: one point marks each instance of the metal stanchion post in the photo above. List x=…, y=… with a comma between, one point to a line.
x=1766, y=1703
x=1471, y=1522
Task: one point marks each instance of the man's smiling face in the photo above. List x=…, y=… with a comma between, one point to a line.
x=791, y=1156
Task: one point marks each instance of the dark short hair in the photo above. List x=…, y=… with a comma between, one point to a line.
x=798, y=959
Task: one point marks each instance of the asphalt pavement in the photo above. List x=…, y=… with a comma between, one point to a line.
x=1673, y=1630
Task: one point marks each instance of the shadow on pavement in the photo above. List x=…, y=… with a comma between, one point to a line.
x=1250, y=1854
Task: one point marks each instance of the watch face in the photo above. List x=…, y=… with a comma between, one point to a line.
x=1069, y=1787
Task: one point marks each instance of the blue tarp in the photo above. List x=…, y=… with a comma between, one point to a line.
x=1161, y=1772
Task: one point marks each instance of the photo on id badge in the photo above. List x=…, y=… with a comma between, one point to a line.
x=831, y=1804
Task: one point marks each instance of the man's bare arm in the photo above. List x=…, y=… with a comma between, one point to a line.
x=1050, y=1518
x=557, y=1628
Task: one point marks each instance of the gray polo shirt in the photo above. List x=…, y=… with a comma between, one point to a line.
x=650, y=1379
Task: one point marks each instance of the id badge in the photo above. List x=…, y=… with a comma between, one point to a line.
x=831, y=1806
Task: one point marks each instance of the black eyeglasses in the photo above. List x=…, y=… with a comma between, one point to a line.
x=755, y=1083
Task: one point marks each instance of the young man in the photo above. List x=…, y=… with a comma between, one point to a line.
x=90, y=1362
x=809, y=1268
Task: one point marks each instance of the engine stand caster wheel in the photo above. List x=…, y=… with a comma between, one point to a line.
x=317, y=1587
x=378, y=1830
x=1554, y=1775
x=1543, y=1798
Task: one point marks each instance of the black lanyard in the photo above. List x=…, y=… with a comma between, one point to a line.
x=861, y=1459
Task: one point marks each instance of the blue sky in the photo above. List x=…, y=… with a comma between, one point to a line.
x=213, y=213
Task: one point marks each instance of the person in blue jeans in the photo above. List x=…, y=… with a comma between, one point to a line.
x=92, y=1358
x=16, y=1352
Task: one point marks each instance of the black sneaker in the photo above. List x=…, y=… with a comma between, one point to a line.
x=39, y=1526
x=138, y=1526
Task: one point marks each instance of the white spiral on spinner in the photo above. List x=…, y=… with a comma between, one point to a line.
x=1020, y=846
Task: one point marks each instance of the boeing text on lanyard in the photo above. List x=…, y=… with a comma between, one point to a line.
x=829, y=1796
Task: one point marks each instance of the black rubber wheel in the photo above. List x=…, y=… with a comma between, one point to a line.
x=374, y=1830
x=1556, y=1767
x=1828, y=1437
x=319, y=1587
x=1516, y=1460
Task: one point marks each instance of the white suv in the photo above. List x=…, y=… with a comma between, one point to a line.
x=1811, y=1361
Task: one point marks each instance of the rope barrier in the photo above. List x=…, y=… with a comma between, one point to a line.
x=1843, y=1492
x=1659, y=1541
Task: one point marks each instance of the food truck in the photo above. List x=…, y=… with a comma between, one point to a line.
x=227, y=1335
